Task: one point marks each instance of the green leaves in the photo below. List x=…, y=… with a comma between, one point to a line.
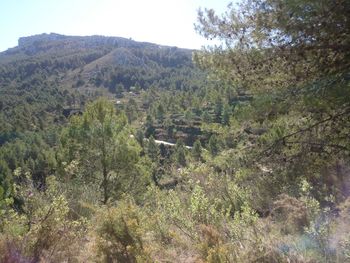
x=199, y=205
x=120, y=232
x=101, y=142
x=292, y=59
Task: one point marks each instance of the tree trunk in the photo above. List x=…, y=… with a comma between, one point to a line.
x=105, y=185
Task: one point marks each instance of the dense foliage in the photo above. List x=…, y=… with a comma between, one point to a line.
x=244, y=158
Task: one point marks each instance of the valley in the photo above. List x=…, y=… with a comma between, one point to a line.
x=114, y=150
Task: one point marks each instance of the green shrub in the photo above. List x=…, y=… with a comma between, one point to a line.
x=119, y=233
x=43, y=229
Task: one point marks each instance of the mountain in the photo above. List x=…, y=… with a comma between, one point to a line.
x=49, y=72
x=54, y=53
x=113, y=150
x=60, y=46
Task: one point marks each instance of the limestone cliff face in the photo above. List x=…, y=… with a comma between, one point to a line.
x=123, y=51
x=23, y=41
x=82, y=41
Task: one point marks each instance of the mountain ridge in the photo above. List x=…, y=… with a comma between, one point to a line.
x=30, y=43
x=86, y=67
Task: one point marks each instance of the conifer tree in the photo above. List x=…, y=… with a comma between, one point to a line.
x=197, y=150
x=213, y=145
x=100, y=142
x=153, y=150
x=180, y=153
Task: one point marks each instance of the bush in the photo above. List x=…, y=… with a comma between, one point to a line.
x=211, y=246
x=119, y=232
x=291, y=212
x=43, y=231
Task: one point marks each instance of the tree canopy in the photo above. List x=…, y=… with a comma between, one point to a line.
x=267, y=120
x=293, y=58
x=101, y=143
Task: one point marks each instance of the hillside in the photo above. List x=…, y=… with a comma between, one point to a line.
x=48, y=72
x=54, y=55
x=113, y=150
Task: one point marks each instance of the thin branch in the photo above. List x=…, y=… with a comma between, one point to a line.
x=333, y=117
x=319, y=144
x=283, y=139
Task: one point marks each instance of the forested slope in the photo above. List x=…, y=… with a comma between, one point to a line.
x=265, y=117
x=50, y=65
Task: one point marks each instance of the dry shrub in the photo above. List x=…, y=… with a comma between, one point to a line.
x=119, y=234
x=340, y=238
x=11, y=252
x=211, y=247
x=291, y=212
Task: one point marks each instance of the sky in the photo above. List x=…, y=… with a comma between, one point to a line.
x=165, y=22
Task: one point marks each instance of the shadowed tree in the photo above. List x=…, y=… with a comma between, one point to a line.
x=180, y=153
x=213, y=145
x=153, y=151
x=292, y=59
x=197, y=150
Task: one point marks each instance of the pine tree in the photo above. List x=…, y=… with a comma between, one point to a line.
x=149, y=126
x=101, y=139
x=218, y=110
x=206, y=118
x=140, y=137
x=213, y=145
x=153, y=150
x=180, y=153
x=226, y=114
x=197, y=150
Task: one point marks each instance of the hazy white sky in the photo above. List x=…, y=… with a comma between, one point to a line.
x=167, y=22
